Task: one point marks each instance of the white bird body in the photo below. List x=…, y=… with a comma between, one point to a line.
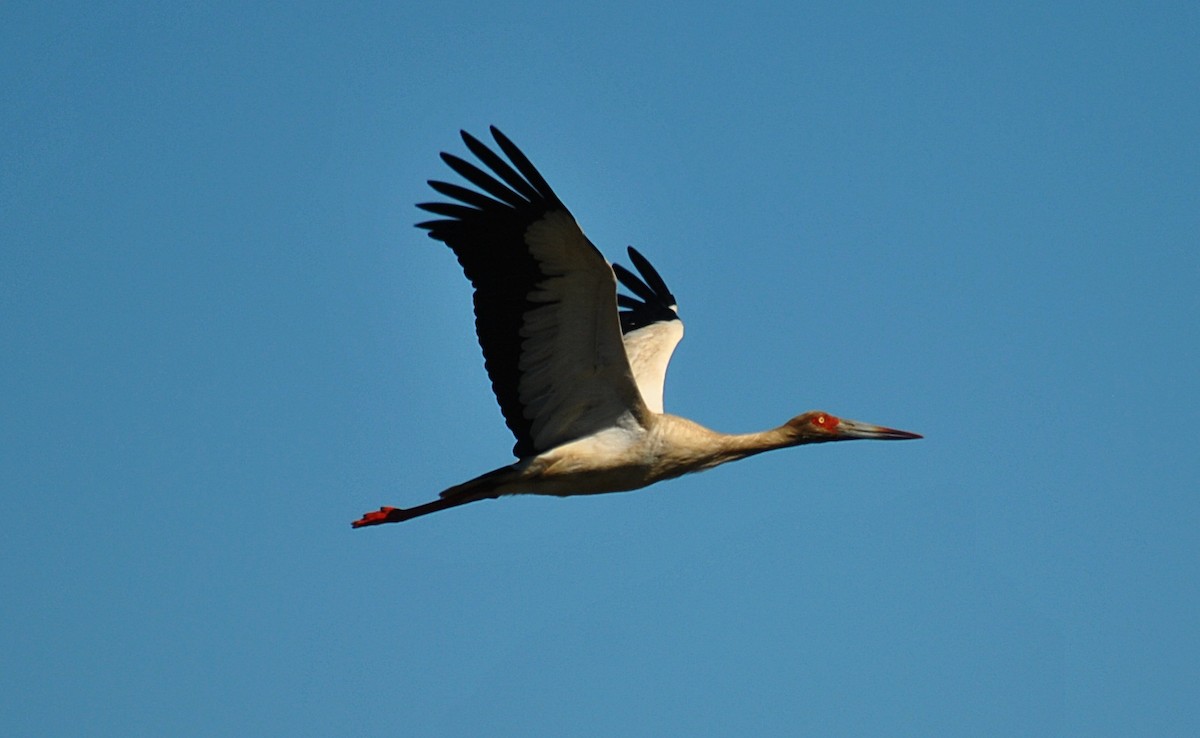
x=577, y=369
x=625, y=457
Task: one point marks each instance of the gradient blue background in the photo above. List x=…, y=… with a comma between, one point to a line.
x=223, y=340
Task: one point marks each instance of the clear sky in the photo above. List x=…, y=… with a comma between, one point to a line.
x=223, y=340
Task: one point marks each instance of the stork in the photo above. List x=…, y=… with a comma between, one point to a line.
x=577, y=368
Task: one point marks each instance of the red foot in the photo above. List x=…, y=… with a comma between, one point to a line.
x=374, y=518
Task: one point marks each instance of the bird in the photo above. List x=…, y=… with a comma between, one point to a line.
x=576, y=366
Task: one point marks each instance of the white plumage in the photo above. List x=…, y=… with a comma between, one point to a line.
x=649, y=351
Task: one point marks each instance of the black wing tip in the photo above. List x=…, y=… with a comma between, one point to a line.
x=647, y=277
x=470, y=139
x=622, y=273
x=515, y=182
x=499, y=136
x=467, y=136
x=651, y=301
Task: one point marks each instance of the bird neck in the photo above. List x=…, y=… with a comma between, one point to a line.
x=741, y=445
x=688, y=446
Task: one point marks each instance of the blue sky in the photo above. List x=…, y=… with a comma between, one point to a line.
x=224, y=340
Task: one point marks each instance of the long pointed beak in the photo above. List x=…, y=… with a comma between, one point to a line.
x=848, y=429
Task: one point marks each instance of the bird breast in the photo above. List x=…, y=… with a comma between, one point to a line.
x=620, y=458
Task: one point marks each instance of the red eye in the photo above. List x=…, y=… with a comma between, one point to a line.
x=827, y=422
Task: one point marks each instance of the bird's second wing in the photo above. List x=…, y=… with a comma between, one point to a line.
x=545, y=300
x=651, y=327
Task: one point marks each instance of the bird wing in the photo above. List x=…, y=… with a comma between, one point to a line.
x=545, y=301
x=651, y=326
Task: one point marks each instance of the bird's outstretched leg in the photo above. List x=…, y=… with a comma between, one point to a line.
x=483, y=487
x=400, y=514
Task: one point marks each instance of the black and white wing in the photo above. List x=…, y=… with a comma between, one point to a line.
x=545, y=301
x=651, y=327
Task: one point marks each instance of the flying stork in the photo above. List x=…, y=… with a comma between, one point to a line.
x=578, y=369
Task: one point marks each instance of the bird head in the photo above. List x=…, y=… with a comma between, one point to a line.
x=817, y=426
